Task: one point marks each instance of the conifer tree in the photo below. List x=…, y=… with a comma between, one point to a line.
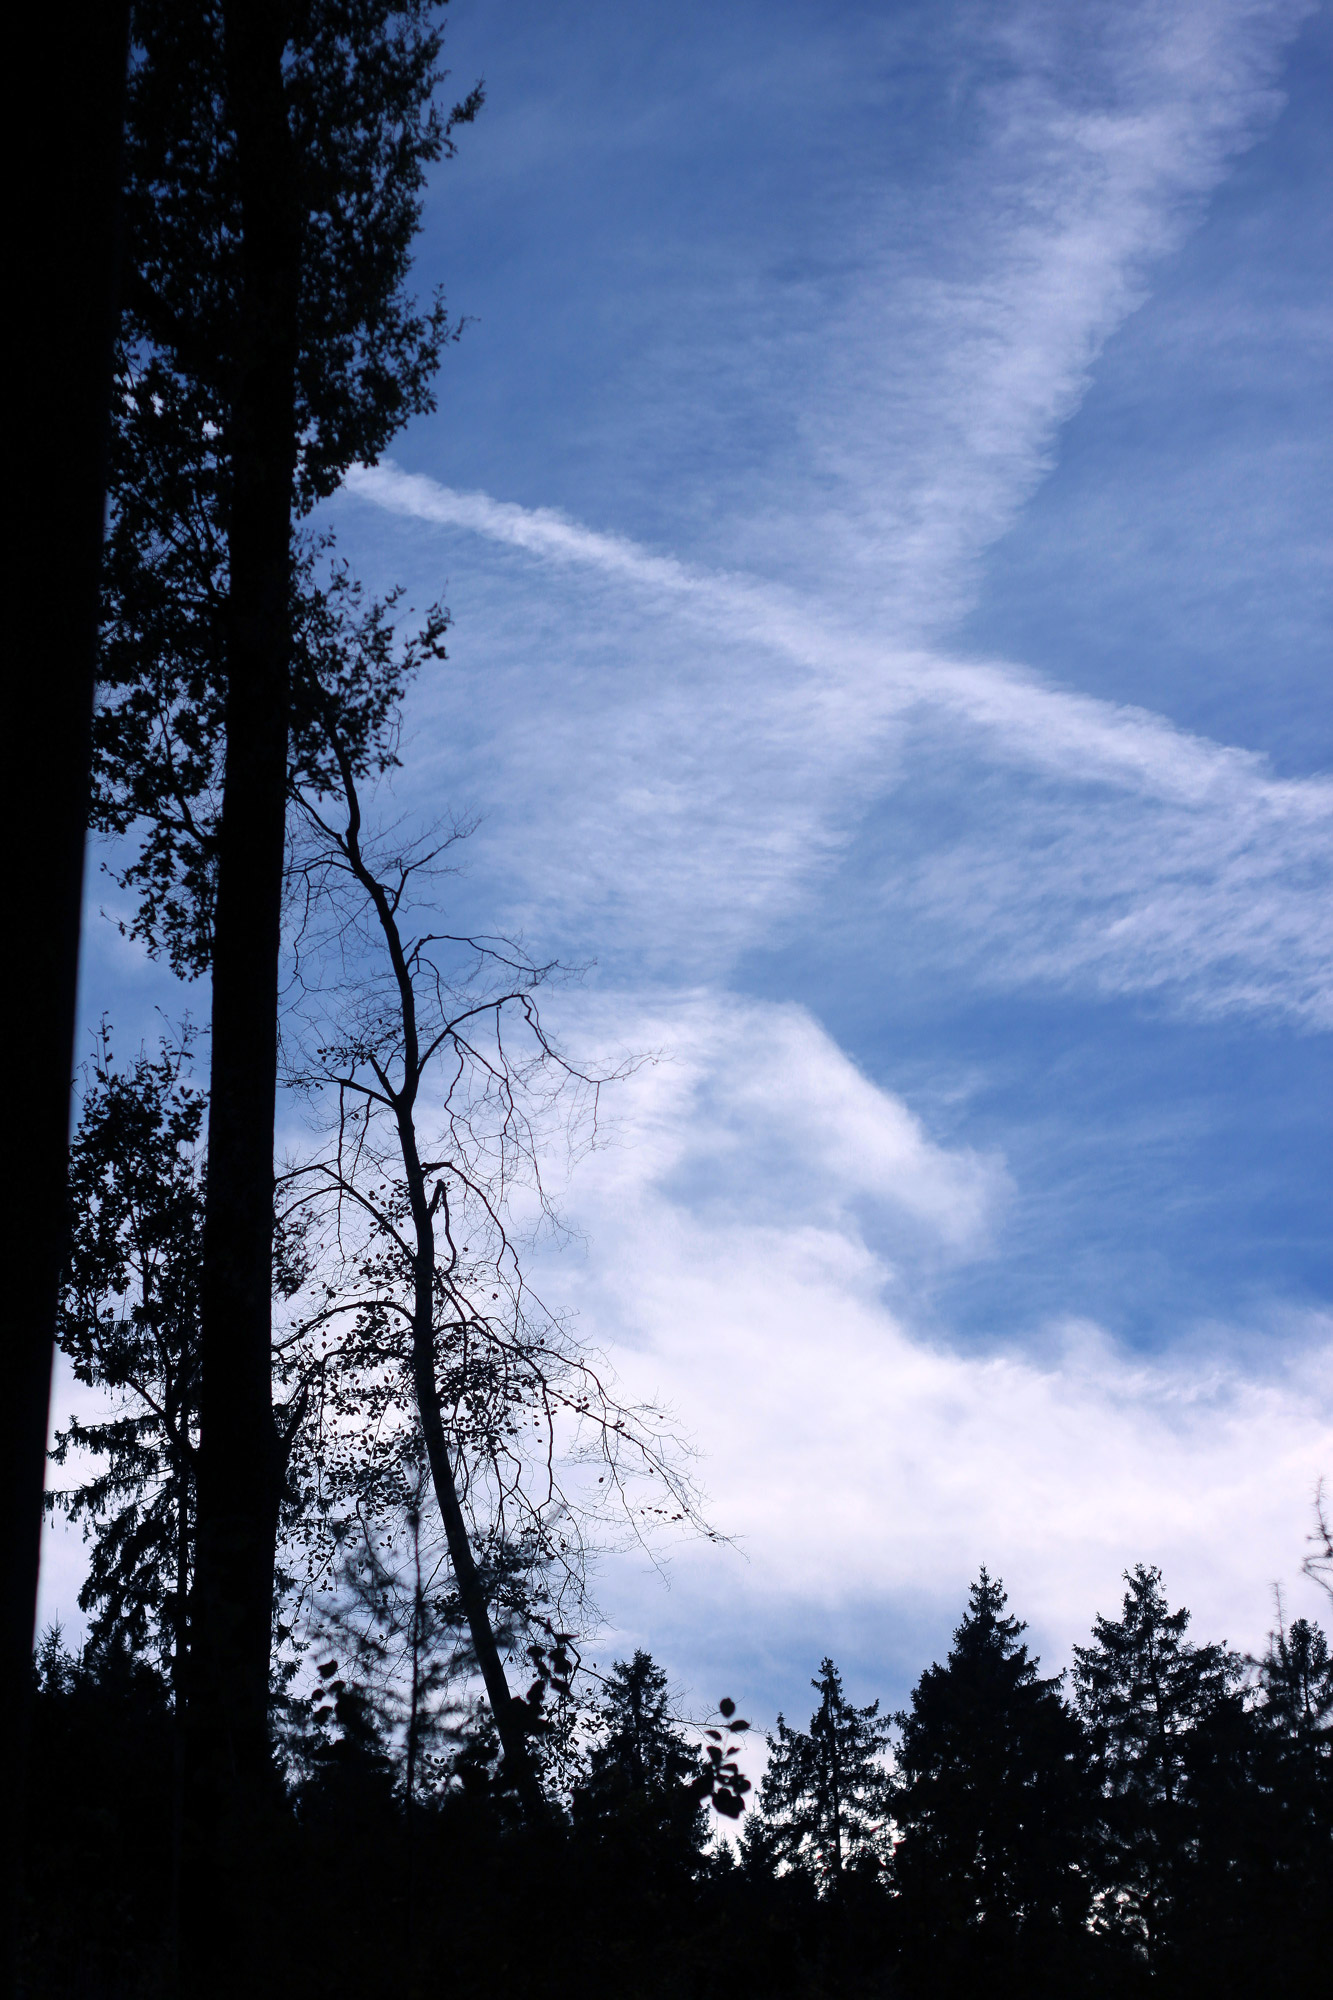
x=824, y=1799
x=1145, y=1692
x=642, y=1772
x=1296, y=1679
x=1276, y=1882
x=129, y=1325
x=994, y=1803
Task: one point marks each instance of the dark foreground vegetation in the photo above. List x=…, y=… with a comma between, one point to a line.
x=1159, y=1822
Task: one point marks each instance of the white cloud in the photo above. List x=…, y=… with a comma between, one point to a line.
x=746, y=1106
x=723, y=1257
x=920, y=374
x=860, y=1463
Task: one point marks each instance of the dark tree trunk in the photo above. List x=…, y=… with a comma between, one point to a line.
x=239, y=1473
x=471, y=1589
x=72, y=61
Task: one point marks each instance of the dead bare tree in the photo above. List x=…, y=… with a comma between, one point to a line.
x=420, y=1280
x=1318, y=1565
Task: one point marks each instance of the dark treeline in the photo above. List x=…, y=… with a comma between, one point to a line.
x=1159, y=1821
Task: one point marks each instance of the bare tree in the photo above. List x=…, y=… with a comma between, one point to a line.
x=405, y=1031
x=1318, y=1565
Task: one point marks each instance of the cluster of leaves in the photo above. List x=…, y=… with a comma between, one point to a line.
x=128, y=1324
x=722, y=1780
x=360, y=80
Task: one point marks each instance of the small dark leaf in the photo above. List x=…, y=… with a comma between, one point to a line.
x=727, y=1706
x=728, y=1804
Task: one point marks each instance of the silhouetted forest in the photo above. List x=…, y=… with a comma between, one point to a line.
x=1161, y=1821
x=343, y=1476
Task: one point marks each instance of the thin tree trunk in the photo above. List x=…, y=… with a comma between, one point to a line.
x=239, y=1471
x=179, y=1688
x=413, y=1727
x=471, y=1590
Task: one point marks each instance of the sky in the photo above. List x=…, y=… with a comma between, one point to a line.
x=881, y=490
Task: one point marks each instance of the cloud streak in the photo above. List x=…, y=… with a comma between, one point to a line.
x=1132, y=856
x=698, y=746
x=1092, y=147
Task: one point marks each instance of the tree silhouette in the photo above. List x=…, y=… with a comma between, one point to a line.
x=994, y=1805
x=428, y=1294
x=276, y=155
x=1145, y=1691
x=1254, y=1890
x=824, y=1799
x=129, y=1324
x=64, y=264
x=642, y=1780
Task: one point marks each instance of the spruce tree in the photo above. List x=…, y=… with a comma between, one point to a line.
x=1146, y=1692
x=994, y=1805
x=642, y=1774
x=824, y=1799
x=129, y=1325
x=1266, y=1906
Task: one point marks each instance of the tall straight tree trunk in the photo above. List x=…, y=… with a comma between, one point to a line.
x=65, y=259
x=239, y=1474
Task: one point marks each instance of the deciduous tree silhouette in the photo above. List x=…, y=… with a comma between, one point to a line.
x=1318, y=1565
x=429, y=1287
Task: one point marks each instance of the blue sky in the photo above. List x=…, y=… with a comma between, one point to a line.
x=882, y=493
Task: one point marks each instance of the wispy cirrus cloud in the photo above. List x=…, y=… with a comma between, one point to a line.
x=1087, y=842
x=696, y=741
x=920, y=339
